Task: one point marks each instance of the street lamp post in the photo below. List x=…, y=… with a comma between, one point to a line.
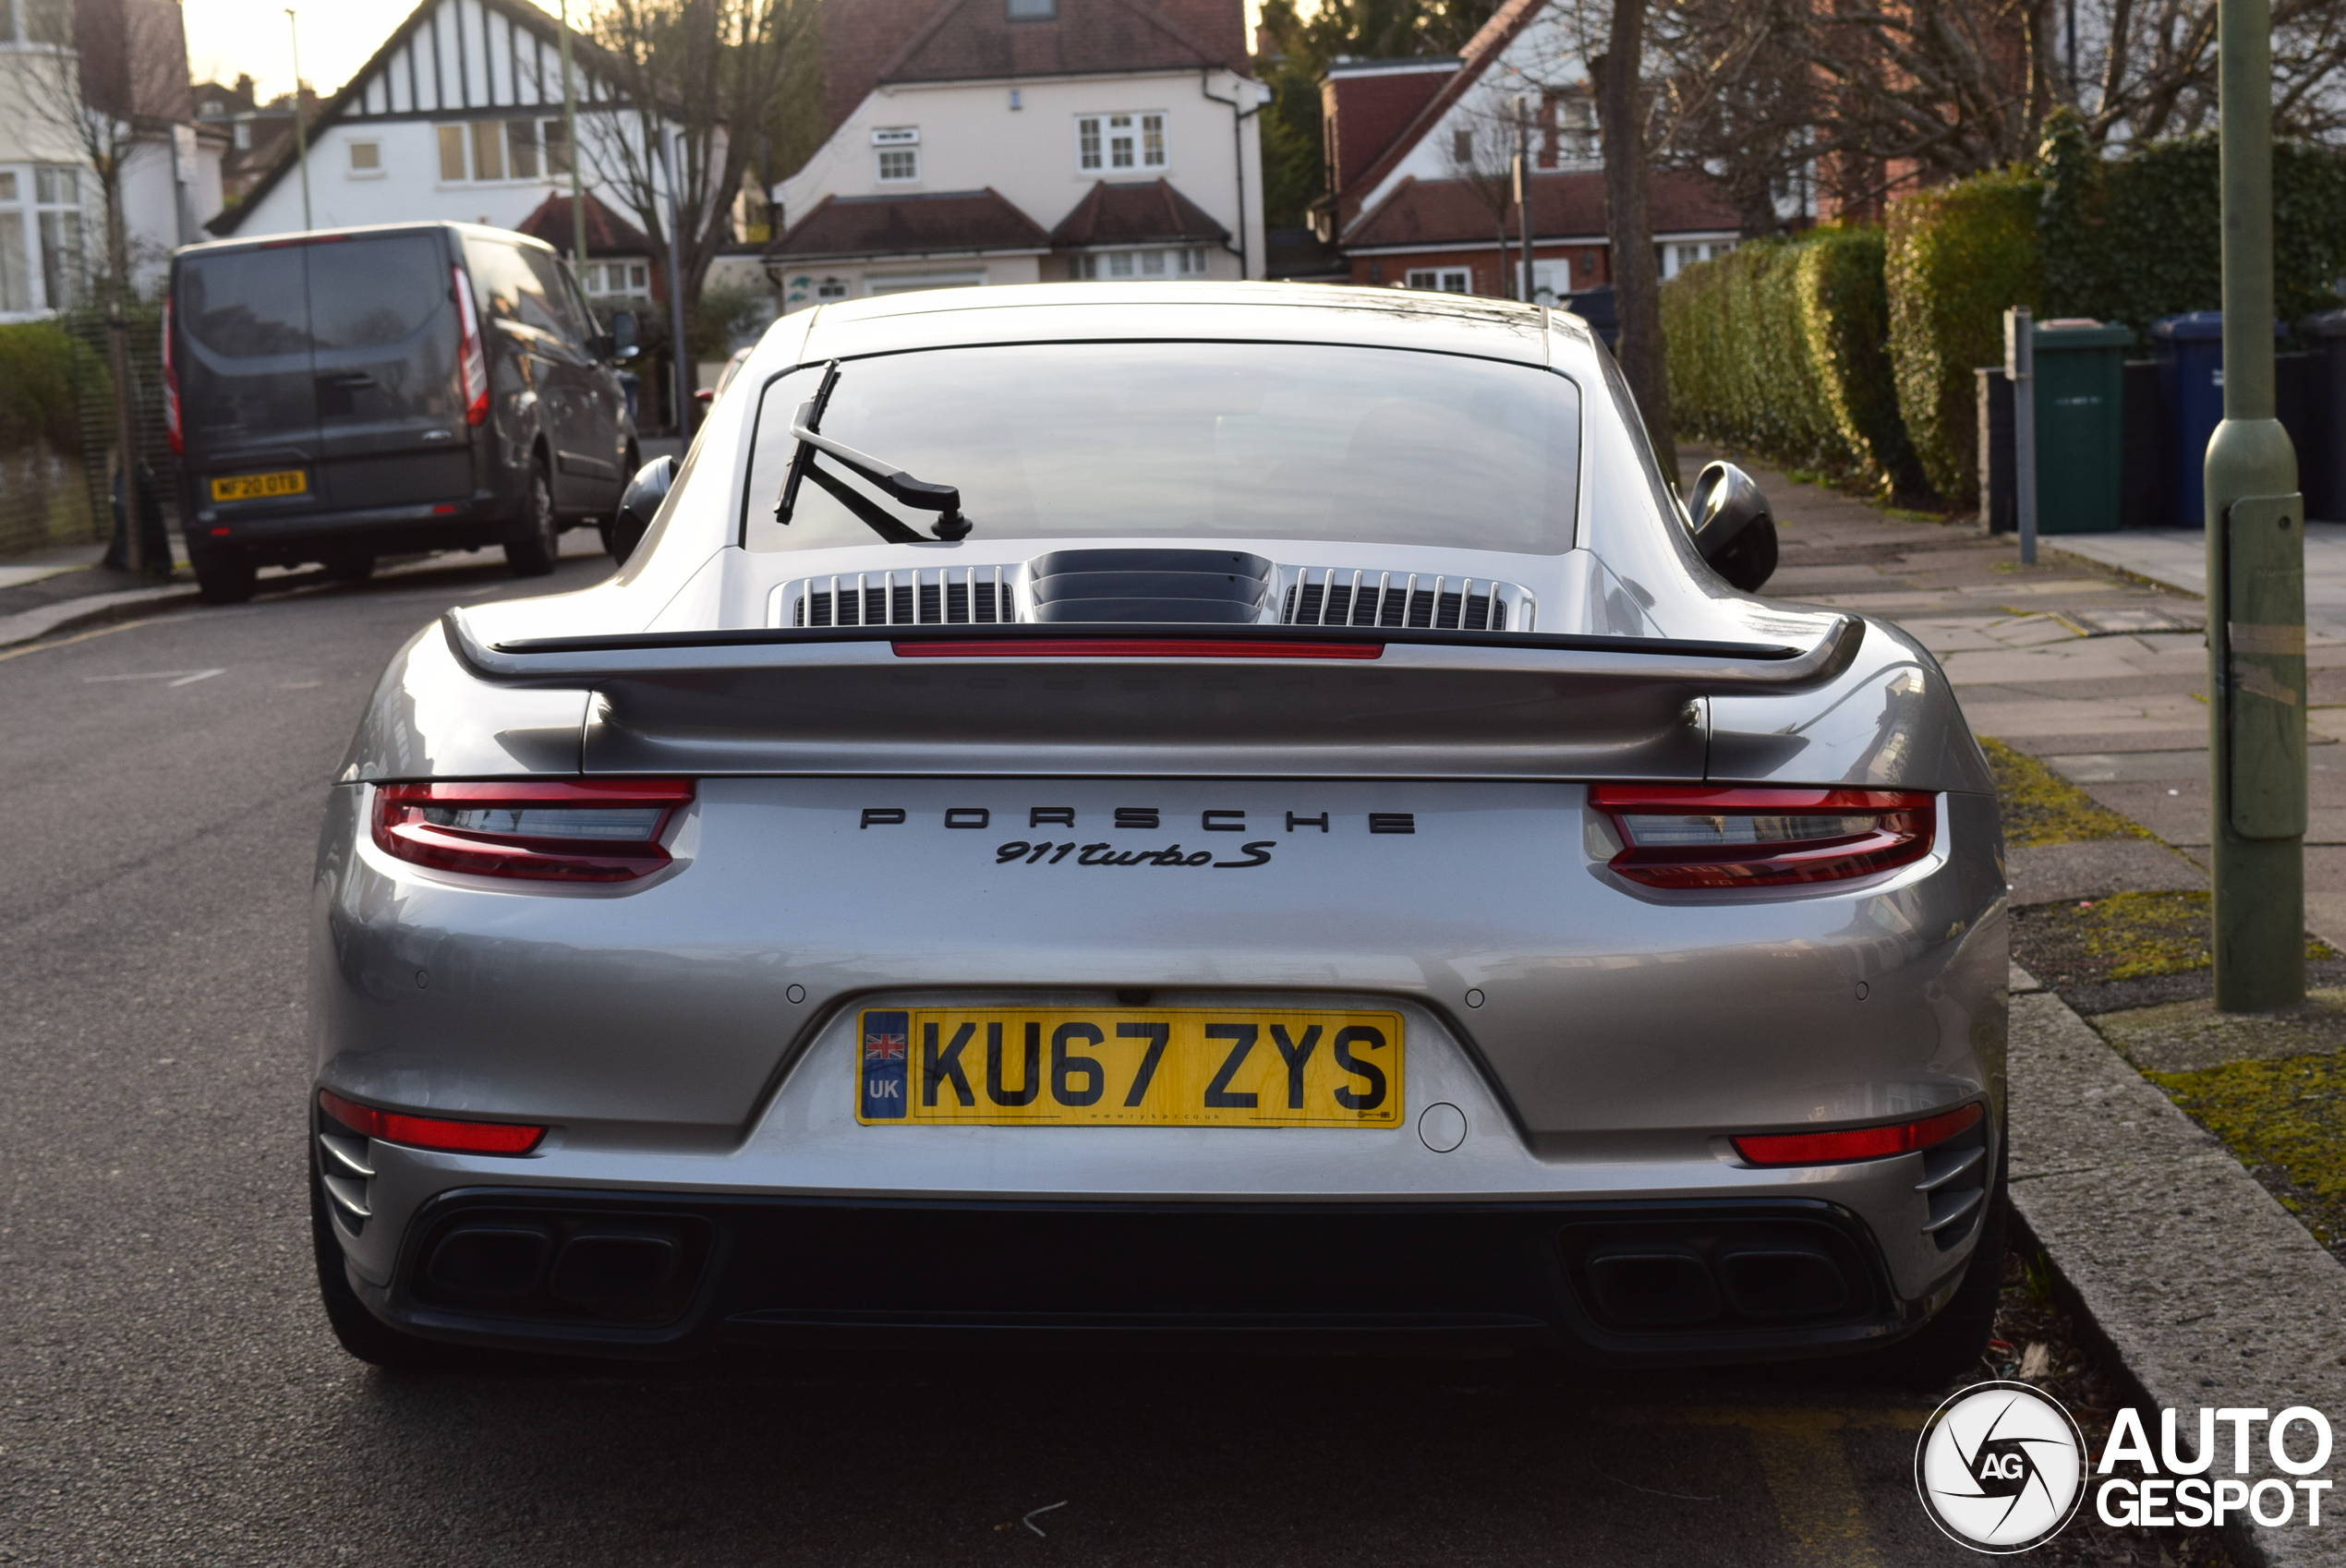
x=301, y=131
x=2256, y=574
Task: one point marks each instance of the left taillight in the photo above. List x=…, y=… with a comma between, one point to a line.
x=431, y=1132
x=170, y=385
x=472, y=358
x=1726, y=836
x=551, y=830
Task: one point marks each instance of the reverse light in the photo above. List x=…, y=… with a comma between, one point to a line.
x=1727, y=836
x=170, y=386
x=472, y=361
x=1857, y=1142
x=431, y=1132
x=538, y=830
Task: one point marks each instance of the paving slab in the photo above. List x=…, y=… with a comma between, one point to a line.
x=2045, y=873
x=2189, y=1036
x=2209, y=1290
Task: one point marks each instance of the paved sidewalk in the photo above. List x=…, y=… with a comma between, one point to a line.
x=2177, y=558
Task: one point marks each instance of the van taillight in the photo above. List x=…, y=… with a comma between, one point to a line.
x=472, y=361
x=170, y=386
x=550, y=830
x=1728, y=836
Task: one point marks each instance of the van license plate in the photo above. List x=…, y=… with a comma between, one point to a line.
x=1114, y=1066
x=254, y=486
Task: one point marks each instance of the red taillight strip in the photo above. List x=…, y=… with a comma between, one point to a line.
x=399, y=829
x=1857, y=1142
x=472, y=362
x=1132, y=647
x=1907, y=826
x=431, y=1132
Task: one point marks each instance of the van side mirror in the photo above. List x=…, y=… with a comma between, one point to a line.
x=1734, y=529
x=623, y=335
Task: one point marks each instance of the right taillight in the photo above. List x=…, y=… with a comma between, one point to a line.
x=1730, y=835
x=536, y=830
x=472, y=359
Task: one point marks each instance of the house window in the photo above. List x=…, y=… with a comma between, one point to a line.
x=1031, y=10
x=900, y=152
x=1440, y=280
x=57, y=195
x=16, y=280
x=365, y=157
x=621, y=278
x=243, y=132
x=1189, y=261
x=45, y=21
x=503, y=149
x=1120, y=141
x=832, y=288
x=1462, y=147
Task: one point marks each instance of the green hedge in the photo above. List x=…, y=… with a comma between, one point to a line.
x=1777, y=349
x=1959, y=255
x=40, y=368
x=2135, y=238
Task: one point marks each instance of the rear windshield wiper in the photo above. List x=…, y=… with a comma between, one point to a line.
x=915, y=493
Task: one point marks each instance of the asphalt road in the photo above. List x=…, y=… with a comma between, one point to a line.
x=169, y=1393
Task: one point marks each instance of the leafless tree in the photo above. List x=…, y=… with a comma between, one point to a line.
x=1624, y=108
x=114, y=76
x=1481, y=157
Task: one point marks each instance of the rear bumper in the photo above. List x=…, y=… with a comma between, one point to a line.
x=464, y=523
x=663, y=1275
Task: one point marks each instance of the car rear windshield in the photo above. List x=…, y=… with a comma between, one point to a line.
x=1193, y=440
x=330, y=294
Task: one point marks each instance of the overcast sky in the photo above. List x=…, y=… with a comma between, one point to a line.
x=228, y=36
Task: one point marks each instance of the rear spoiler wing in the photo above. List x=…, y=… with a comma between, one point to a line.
x=1188, y=700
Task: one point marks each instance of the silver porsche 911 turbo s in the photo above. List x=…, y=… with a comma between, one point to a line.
x=1222, y=814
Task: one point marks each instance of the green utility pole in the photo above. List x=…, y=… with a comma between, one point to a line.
x=570, y=139
x=2256, y=574
x=301, y=130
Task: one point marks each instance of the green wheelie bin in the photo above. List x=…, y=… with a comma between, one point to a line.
x=2081, y=426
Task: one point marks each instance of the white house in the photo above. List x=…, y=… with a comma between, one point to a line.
x=125, y=61
x=1420, y=153
x=1007, y=141
x=457, y=116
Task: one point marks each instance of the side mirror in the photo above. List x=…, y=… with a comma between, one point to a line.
x=1734, y=529
x=639, y=504
x=623, y=335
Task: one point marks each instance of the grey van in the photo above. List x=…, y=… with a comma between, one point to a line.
x=342, y=394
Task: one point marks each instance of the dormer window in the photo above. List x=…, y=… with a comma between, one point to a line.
x=899, y=150
x=1031, y=10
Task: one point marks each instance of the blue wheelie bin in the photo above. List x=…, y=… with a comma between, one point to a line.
x=2191, y=389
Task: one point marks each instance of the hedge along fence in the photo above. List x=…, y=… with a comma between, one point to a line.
x=1959, y=255
x=47, y=379
x=2135, y=238
x=1777, y=349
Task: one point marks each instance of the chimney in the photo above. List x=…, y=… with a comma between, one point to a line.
x=244, y=87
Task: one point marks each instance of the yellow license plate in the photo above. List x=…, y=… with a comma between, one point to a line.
x=1125, y=1067
x=253, y=487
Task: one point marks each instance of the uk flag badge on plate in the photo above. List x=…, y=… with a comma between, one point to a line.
x=885, y=1068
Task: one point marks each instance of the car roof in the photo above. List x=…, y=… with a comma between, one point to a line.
x=1293, y=312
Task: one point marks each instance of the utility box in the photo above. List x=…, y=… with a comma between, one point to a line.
x=2321, y=456
x=2081, y=426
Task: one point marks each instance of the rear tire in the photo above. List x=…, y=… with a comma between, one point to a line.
x=536, y=553
x=349, y=566
x=224, y=576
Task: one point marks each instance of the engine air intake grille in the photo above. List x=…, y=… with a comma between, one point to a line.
x=916, y=596
x=1323, y=595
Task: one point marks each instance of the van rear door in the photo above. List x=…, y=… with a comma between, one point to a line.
x=382, y=316
x=246, y=391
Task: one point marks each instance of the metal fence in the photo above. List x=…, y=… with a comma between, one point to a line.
x=54, y=493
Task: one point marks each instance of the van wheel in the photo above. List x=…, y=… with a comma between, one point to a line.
x=224, y=576
x=535, y=553
x=349, y=566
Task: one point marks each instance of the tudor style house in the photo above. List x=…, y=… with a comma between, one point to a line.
x=1420, y=153
x=457, y=116
x=1007, y=141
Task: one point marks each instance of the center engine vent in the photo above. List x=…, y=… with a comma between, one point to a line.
x=1196, y=586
